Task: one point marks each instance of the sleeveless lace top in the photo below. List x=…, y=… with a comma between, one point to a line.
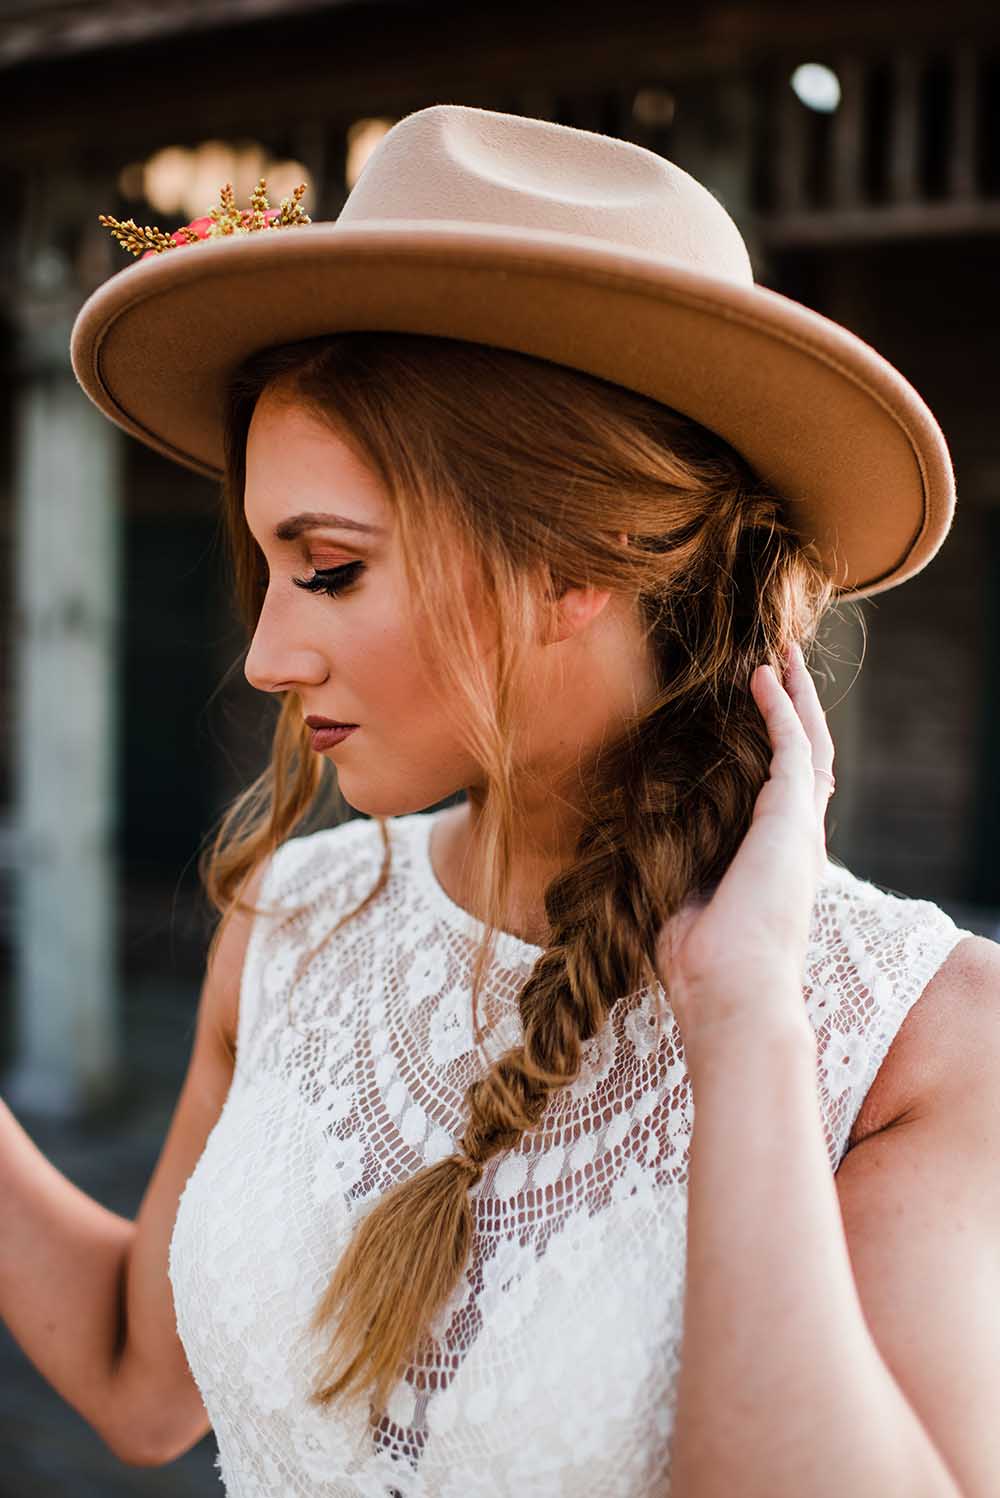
x=559, y=1347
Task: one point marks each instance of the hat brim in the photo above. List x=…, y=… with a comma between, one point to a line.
x=841, y=434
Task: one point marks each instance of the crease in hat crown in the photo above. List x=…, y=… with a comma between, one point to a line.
x=479, y=166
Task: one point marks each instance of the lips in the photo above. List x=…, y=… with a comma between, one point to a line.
x=314, y=721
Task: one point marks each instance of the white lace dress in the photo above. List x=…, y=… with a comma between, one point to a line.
x=560, y=1344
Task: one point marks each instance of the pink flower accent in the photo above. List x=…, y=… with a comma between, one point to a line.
x=200, y=226
x=203, y=228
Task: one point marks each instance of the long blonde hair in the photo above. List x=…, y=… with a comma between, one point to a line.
x=533, y=471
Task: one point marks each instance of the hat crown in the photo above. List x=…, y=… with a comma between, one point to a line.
x=458, y=164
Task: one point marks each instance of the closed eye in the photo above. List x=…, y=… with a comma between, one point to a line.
x=331, y=580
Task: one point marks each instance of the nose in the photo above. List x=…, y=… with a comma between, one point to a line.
x=296, y=668
x=274, y=664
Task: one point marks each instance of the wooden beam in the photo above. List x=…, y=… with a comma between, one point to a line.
x=906, y=220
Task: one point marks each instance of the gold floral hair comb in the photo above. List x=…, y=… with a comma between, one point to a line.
x=225, y=218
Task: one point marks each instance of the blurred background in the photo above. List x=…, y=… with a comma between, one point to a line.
x=858, y=148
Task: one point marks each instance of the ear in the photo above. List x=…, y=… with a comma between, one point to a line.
x=576, y=607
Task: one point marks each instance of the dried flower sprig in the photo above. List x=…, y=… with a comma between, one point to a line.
x=222, y=220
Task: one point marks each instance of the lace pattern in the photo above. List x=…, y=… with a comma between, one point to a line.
x=556, y=1358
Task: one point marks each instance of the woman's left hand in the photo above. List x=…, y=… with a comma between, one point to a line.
x=741, y=955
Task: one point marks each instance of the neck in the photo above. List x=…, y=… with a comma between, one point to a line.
x=454, y=855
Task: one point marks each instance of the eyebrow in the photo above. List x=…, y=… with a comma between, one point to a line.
x=290, y=529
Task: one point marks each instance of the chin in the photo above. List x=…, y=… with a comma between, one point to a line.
x=385, y=804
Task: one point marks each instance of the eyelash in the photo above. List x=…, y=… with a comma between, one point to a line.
x=332, y=580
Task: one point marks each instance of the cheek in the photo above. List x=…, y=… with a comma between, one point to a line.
x=374, y=646
x=380, y=656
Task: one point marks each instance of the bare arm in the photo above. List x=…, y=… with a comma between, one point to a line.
x=782, y=1389
x=85, y=1292
x=62, y=1256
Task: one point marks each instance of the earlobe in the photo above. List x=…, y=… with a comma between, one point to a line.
x=575, y=608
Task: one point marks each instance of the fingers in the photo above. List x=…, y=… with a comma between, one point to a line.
x=791, y=745
x=797, y=725
x=801, y=688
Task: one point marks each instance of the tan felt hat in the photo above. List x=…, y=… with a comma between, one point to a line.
x=562, y=243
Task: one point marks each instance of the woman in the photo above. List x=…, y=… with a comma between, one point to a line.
x=520, y=1184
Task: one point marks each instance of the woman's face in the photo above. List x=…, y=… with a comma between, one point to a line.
x=351, y=657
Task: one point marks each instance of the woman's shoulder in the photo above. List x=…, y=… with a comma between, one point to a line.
x=884, y=941
x=303, y=888
x=918, y=982
x=944, y=1038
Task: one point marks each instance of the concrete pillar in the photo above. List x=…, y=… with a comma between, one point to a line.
x=67, y=582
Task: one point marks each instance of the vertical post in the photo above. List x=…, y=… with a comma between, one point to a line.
x=904, y=153
x=67, y=580
x=790, y=165
x=848, y=135
x=962, y=174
